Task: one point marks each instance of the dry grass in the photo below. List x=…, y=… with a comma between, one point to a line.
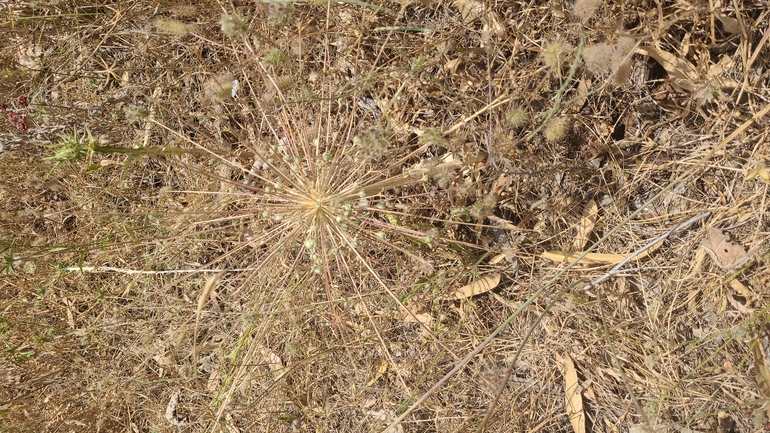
x=255, y=216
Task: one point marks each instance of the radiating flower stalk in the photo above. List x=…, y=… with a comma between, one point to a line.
x=320, y=197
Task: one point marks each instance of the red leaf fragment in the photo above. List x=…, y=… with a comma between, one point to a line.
x=18, y=120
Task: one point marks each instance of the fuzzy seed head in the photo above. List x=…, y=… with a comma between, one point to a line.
x=598, y=58
x=371, y=144
x=516, y=117
x=136, y=113
x=624, y=46
x=219, y=88
x=232, y=25
x=622, y=73
x=444, y=178
x=274, y=57
x=585, y=9
x=483, y=207
x=557, y=129
x=552, y=54
x=172, y=26
x=279, y=13
x=432, y=136
x=432, y=236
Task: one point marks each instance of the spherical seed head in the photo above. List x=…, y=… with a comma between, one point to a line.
x=483, y=207
x=516, y=117
x=432, y=136
x=219, y=88
x=274, y=57
x=136, y=113
x=598, y=58
x=557, y=129
x=585, y=9
x=444, y=178
x=552, y=54
x=232, y=25
x=371, y=144
x=279, y=13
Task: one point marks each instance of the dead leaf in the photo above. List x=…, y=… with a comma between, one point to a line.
x=595, y=258
x=215, y=379
x=474, y=9
x=452, y=65
x=725, y=254
x=586, y=225
x=423, y=318
x=716, y=70
x=273, y=361
x=482, y=285
x=681, y=72
x=386, y=416
x=574, y=399
x=741, y=289
x=737, y=305
x=171, y=410
x=758, y=170
x=761, y=372
x=497, y=259
x=380, y=372
x=729, y=24
x=500, y=223
x=685, y=75
x=499, y=186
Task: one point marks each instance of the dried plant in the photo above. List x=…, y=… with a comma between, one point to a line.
x=585, y=9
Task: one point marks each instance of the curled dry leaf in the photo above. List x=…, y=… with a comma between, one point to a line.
x=171, y=410
x=725, y=254
x=741, y=308
x=273, y=361
x=729, y=24
x=684, y=74
x=574, y=399
x=741, y=289
x=586, y=225
x=380, y=372
x=482, y=285
x=595, y=258
x=761, y=371
x=758, y=170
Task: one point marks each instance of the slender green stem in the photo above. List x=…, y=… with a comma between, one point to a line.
x=557, y=99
